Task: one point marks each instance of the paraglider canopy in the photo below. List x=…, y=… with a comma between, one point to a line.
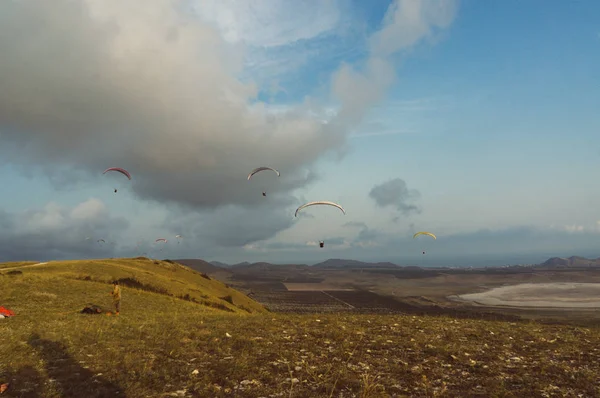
x=322, y=202
x=424, y=233
x=262, y=168
x=118, y=170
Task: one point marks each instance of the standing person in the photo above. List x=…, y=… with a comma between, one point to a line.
x=116, y=293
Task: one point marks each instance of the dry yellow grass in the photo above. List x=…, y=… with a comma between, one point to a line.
x=164, y=346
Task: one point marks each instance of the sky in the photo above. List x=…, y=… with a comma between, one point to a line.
x=475, y=121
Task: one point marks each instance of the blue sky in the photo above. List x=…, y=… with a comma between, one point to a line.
x=487, y=111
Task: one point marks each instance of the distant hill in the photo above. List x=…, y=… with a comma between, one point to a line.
x=242, y=264
x=200, y=265
x=220, y=264
x=264, y=266
x=573, y=261
x=342, y=263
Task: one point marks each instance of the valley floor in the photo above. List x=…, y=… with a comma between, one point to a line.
x=567, y=295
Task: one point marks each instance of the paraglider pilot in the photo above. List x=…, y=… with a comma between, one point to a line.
x=264, y=194
x=116, y=293
x=321, y=243
x=115, y=190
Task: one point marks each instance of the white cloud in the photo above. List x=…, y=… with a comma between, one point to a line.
x=272, y=23
x=577, y=228
x=153, y=91
x=151, y=88
x=281, y=37
x=408, y=21
x=574, y=228
x=89, y=210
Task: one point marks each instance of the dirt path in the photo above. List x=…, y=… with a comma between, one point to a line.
x=341, y=301
x=23, y=266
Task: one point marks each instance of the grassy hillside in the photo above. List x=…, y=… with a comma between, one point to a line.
x=164, y=346
x=93, y=279
x=201, y=265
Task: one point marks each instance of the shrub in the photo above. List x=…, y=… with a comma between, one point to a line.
x=14, y=272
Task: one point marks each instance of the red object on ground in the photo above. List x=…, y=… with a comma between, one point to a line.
x=6, y=312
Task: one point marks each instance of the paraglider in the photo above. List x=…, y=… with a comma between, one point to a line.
x=259, y=169
x=161, y=240
x=118, y=170
x=178, y=237
x=426, y=234
x=322, y=202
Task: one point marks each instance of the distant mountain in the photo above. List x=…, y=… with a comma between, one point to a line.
x=342, y=263
x=573, y=261
x=263, y=266
x=200, y=265
x=219, y=264
x=242, y=264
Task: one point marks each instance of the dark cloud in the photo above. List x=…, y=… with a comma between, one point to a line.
x=365, y=234
x=235, y=226
x=285, y=246
x=395, y=193
x=56, y=232
x=336, y=240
